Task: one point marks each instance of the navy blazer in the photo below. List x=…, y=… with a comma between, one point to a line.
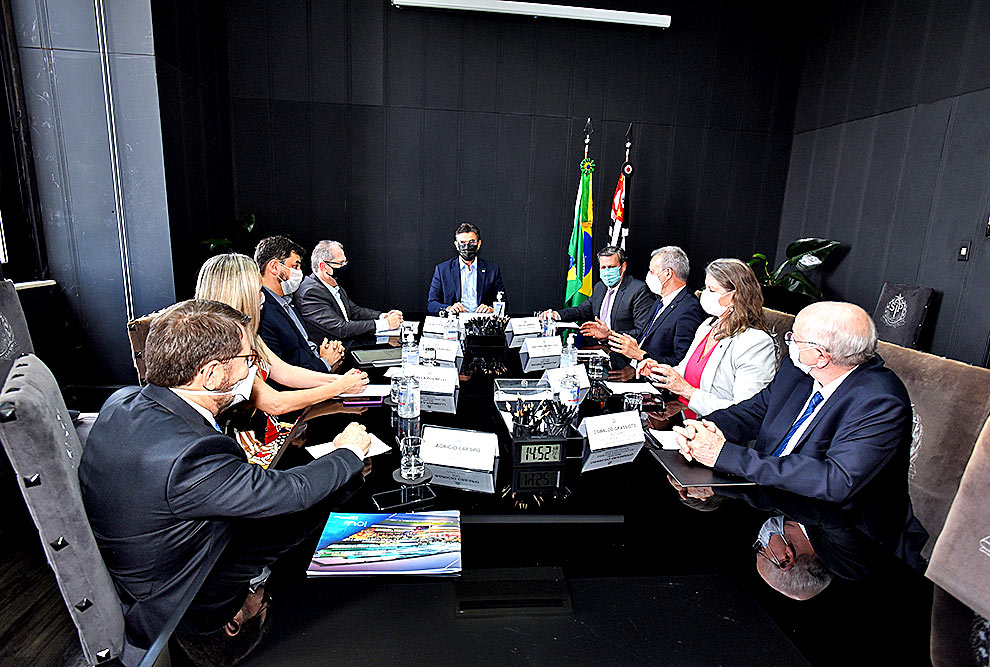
x=668, y=338
x=863, y=428
x=445, y=287
x=160, y=485
x=283, y=337
x=631, y=309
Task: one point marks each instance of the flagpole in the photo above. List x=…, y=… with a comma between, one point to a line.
x=627, y=170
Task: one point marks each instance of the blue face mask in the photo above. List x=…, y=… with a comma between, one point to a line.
x=611, y=275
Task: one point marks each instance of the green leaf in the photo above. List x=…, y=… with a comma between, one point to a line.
x=820, y=248
x=797, y=282
x=216, y=244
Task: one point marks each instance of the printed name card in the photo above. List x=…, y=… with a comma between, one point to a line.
x=435, y=379
x=524, y=325
x=459, y=448
x=542, y=347
x=614, y=430
x=555, y=375
x=466, y=480
x=439, y=349
x=434, y=325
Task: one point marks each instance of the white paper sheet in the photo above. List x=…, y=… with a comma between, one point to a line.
x=631, y=388
x=377, y=447
x=667, y=439
x=372, y=390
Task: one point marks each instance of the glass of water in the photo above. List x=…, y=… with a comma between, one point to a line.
x=632, y=402
x=411, y=464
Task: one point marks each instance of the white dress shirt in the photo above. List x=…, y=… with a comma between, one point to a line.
x=469, y=285
x=826, y=391
x=207, y=415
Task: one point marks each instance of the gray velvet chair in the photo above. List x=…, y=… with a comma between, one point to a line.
x=44, y=451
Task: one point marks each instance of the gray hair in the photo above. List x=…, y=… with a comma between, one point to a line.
x=845, y=330
x=323, y=252
x=675, y=259
x=804, y=580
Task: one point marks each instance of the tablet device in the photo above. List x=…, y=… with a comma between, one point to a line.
x=378, y=357
x=694, y=474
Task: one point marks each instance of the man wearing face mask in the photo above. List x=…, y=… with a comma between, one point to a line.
x=619, y=303
x=675, y=316
x=466, y=283
x=164, y=489
x=833, y=419
x=281, y=326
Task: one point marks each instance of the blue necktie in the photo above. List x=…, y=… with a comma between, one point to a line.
x=816, y=399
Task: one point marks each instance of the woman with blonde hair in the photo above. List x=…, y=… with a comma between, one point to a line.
x=732, y=356
x=234, y=279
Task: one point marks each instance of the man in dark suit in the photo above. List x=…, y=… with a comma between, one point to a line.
x=619, y=303
x=466, y=283
x=326, y=309
x=833, y=419
x=675, y=317
x=164, y=489
x=281, y=325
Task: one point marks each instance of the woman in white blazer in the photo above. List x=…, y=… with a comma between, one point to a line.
x=732, y=356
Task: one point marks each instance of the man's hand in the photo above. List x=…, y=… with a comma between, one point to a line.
x=457, y=308
x=482, y=308
x=625, y=345
x=394, y=319
x=352, y=382
x=332, y=352
x=596, y=329
x=552, y=314
x=354, y=435
x=700, y=441
x=647, y=368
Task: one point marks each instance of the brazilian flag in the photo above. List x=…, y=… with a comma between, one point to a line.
x=579, y=281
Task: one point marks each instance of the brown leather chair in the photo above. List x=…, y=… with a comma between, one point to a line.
x=779, y=324
x=137, y=334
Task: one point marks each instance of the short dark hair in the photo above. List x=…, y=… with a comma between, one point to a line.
x=276, y=247
x=610, y=250
x=184, y=337
x=218, y=649
x=467, y=228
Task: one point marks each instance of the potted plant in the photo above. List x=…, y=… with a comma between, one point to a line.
x=789, y=288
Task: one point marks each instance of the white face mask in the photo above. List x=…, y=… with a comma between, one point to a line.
x=772, y=526
x=654, y=283
x=794, y=352
x=292, y=284
x=710, y=304
x=241, y=391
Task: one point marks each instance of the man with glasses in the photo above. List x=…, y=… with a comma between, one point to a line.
x=466, y=283
x=326, y=309
x=786, y=560
x=165, y=490
x=281, y=325
x=833, y=419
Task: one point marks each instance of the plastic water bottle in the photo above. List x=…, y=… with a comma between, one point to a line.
x=410, y=352
x=570, y=391
x=569, y=357
x=408, y=398
x=452, y=330
x=549, y=327
x=499, y=306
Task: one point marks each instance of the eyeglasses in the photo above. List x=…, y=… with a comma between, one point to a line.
x=764, y=550
x=789, y=338
x=337, y=265
x=251, y=359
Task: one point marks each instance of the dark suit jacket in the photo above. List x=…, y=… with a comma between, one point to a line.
x=631, y=309
x=283, y=337
x=445, y=287
x=322, y=316
x=161, y=485
x=669, y=337
x=862, y=431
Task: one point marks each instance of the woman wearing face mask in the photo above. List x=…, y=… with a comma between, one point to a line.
x=732, y=356
x=234, y=279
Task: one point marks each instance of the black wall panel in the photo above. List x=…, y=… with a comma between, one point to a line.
x=892, y=158
x=384, y=128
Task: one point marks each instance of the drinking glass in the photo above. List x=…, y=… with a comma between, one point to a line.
x=411, y=465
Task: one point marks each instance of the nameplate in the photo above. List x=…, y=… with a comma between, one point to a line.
x=524, y=325
x=542, y=347
x=555, y=375
x=439, y=348
x=434, y=402
x=466, y=480
x=606, y=458
x=434, y=325
x=434, y=379
x=615, y=430
x=458, y=448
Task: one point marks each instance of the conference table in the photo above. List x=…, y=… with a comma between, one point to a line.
x=569, y=566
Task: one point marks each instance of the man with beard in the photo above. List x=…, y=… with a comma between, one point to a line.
x=465, y=283
x=164, y=490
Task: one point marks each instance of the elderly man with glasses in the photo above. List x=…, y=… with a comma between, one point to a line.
x=833, y=419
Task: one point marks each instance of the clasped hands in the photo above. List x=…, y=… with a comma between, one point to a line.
x=700, y=441
x=459, y=308
x=332, y=351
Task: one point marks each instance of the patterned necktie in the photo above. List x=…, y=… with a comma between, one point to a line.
x=816, y=399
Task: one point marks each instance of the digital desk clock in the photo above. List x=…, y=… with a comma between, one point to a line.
x=528, y=452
